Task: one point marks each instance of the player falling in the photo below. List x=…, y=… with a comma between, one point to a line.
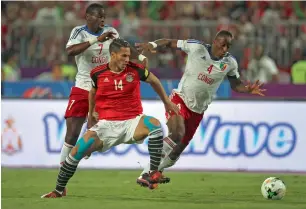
x=115, y=94
x=90, y=45
x=206, y=67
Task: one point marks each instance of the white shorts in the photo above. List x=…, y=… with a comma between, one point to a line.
x=113, y=133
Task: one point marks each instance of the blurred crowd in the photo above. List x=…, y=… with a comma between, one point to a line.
x=270, y=37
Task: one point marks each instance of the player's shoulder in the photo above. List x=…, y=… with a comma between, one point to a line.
x=79, y=28
x=228, y=57
x=109, y=28
x=99, y=69
x=195, y=41
x=136, y=66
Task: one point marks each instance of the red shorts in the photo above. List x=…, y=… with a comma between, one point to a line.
x=78, y=103
x=192, y=119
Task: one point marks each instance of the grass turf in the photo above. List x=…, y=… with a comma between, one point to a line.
x=113, y=189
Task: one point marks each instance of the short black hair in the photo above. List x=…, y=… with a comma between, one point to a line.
x=117, y=44
x=92, y=7
x=224, y=33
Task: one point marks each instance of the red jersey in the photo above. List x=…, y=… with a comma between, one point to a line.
x=118, y=94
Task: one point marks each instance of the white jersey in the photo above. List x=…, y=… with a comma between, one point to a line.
x=203, y=75
x=96, y=54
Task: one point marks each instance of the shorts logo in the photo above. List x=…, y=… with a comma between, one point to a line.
x=129, y=77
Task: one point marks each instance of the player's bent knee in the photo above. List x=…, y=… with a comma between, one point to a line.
x=151, y=123
x=155, y=122
x=83, y=145
x=90, y=134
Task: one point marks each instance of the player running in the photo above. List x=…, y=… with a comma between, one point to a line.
x=90, y=45
x=206, y=67
x=116, y=96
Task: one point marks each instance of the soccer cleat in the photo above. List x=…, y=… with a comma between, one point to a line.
x=162, y=180
x=150, y=180
x=53, y=194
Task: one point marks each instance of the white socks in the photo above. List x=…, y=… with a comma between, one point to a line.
x=65, y=152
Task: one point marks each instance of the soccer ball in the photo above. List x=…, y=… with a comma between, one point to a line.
x=273, y=188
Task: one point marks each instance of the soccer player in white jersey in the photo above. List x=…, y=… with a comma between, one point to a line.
x=90, y=45
x=206, y=67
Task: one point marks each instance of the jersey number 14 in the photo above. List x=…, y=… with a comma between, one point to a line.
x=118, y=85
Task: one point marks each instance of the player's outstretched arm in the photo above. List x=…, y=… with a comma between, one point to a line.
x=238, y=86
x=159, y=89
x=151, y=46
x=77, y=49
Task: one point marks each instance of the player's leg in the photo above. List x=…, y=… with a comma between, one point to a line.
x=172, y=146
x=191, y=123
x=176, y=127
x=74, y=126
x=89, y=143
x=150, y=127
x=76, y=113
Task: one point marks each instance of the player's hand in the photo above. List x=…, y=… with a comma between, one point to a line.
x=92, y=120
x=106, y=36
x=171, y=107
x=255, y=88
x=144, y=47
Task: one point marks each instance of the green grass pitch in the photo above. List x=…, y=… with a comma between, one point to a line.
x=114, y=189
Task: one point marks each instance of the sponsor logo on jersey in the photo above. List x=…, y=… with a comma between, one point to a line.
x=106, y=80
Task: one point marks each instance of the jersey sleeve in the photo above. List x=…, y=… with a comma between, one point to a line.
x=233, y=72
x=189, y=45
x=115, y=31
x=75, y=37
x=94, y=80
x=143, y=72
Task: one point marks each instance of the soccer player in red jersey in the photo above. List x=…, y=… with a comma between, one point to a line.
x=89, y=44
x=116, y=96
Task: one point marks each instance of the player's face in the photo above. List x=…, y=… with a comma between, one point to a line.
x=96, y=18
x=122, y=57
x=221, y=46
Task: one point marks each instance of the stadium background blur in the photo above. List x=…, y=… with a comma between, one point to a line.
x=34, y=35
